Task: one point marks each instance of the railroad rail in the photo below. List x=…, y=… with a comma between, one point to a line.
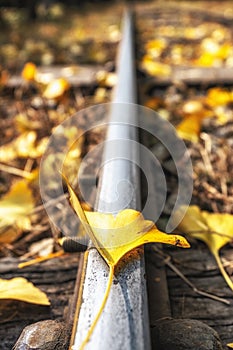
x=124, y=323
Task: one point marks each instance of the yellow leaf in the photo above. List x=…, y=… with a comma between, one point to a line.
x=155, y=47
x=23, y=146
x=113, y=237
x=19, y=288
x=218, y=97
x=155, y=68
x=24, y=123
x=116, y=236
x=29, y=71
x=208, y=60
x=106, y=79
x=193, y=112
x=128, y=230
x=216, y=230
x=189, y=129
x=193, y=107
x=15, y=208
x=56, y=88
x=230, y=345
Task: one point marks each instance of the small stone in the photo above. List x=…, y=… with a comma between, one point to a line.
x=184, y=334
x=44, y=335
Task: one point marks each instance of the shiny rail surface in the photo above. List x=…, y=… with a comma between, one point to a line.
x=124, y=323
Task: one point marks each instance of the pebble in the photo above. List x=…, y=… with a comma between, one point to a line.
x=184, y=334
x=44, y=335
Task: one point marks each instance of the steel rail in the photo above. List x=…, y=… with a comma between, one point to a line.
x=124, y=323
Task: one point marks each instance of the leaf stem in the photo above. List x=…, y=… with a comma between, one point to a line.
x=105, y=298
x=222, y=270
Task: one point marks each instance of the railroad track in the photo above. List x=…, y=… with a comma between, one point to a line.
x=124, y=323
x=128, y=316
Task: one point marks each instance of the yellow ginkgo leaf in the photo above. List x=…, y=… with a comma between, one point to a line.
x=155, y=47
x=218, y=97
x=128, y=230
x=113, y=237
x=29, y=71
x=189, y=129
x=19, y=288
x=193, y=112
x=15, y=208
x=230, y=345
x=207, y=59
x=56, y=88
x=155, y=68
x=23, y=146
x=215, y=229
x=116, y=236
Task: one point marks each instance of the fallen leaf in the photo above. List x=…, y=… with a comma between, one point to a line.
x=206, y=59
x=113, y=237
x=56, y=88
x=155, y=47
x=230, y=345
x=218, y=97
x=15, y=207
x=155, y=68
x=24, y=123
x=215, y=229
x=19, y=288
x=193, y=107
x=106, y=79
x=189, y=129
x=193, y=112
x=116, y=236
x=24, y=146
x=29, y=71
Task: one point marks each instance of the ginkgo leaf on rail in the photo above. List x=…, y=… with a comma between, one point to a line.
x=19, y=288
x=215, y=229
x=116, y=236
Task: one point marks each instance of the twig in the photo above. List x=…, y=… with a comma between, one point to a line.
x=50, y=203
x=16, y=171
x=167, y=261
